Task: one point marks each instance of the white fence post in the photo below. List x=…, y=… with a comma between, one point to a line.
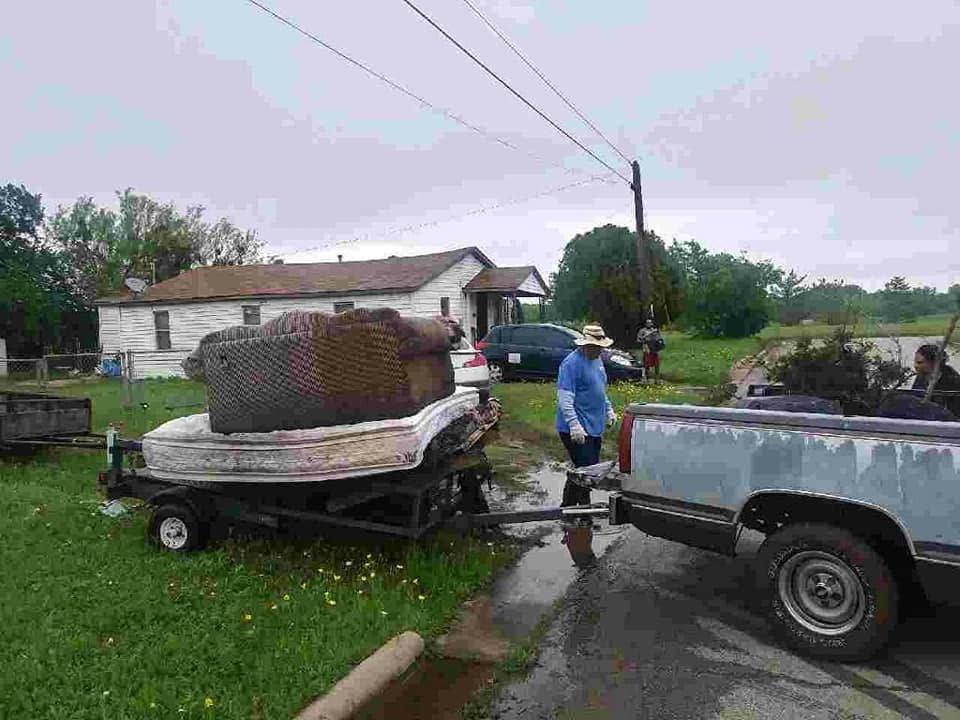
x=3, y=357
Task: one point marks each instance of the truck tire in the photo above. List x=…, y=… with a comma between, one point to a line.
x=175, y=527
x=498, y=373
x=828, y=592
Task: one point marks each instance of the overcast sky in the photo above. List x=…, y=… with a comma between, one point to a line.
x=822, y=135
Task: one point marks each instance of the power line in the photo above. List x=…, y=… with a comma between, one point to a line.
x=477, y=211
x=542, y=77
x=510, y=88
x=409, y=93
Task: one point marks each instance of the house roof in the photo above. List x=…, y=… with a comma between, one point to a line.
x=393, y=274
x=508, y=279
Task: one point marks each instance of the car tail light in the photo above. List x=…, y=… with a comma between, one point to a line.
x=481, y=345
x=625, y=442
x=478, y=361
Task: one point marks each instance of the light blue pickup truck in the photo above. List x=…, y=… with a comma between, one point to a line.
x=856, y=510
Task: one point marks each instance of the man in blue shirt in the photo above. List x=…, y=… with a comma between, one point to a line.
x=583, y=409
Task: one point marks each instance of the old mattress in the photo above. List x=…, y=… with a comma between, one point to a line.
x=187, y=450
x=309, y=369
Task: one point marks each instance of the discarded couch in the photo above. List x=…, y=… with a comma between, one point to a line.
x=310, y=369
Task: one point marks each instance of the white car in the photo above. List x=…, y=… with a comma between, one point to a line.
x=470, y=366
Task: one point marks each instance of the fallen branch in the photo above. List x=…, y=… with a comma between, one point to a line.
x=935, y=376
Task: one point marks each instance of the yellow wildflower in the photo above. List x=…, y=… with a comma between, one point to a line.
x=248, y=618
x=336, y=578
x=331, y=603
x=208, y=703
x=287, y=598
x=421, y=598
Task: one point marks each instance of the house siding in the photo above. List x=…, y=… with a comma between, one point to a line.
x=426, y=300
x=532, y=285
x=189, y=322
x=109, y=338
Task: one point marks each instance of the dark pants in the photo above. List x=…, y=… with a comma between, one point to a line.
x=580, y=456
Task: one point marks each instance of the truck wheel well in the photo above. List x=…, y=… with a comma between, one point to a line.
x=770, y=512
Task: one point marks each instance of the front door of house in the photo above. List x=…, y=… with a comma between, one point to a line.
x=482, y=316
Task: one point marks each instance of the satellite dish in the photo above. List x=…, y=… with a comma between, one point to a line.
x=136, y=285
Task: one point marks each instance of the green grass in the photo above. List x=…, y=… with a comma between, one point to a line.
x=97, y=623
x=527, y=435
x=703, y=362
x=928, y=325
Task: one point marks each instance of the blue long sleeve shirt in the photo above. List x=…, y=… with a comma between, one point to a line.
x=582, y=395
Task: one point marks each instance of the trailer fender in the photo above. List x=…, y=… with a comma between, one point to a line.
x=188, y=496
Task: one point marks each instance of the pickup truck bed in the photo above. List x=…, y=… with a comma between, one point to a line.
x=855, y=509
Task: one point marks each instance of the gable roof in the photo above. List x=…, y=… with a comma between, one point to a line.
x=393, y=274
x=508, y=279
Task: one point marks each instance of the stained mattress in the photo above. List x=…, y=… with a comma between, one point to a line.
x=187, y=450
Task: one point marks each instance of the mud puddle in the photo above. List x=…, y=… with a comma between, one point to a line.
x=436, y=689
x=467, y=657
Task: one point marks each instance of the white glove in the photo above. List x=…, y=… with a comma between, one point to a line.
x=577, y=435
x=611, y=418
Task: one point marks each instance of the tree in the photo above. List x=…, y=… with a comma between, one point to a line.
x=39, y=306
x=897, y=301
x=723, y=295
x=597, y=279
x=144, y=239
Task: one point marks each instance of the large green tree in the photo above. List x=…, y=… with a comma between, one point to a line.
x=724, y=295
x=144, y=239
x=40, y=307
x=597, y=279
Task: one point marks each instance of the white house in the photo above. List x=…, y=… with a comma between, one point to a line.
x=163, y=324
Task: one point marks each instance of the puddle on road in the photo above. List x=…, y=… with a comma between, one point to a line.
x=523, y=594
x=439, y=687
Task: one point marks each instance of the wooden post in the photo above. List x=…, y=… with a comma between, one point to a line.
x=643, y=254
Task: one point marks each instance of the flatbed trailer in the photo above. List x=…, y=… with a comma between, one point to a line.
x=32, y=418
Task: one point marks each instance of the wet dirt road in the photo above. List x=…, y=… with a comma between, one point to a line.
x=660, y=630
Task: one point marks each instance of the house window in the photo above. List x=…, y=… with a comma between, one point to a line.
x=342, y=307
x=161, y=323
x=251, y=314
x=445, y=306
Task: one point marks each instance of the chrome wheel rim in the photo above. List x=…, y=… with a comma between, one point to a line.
x=822, y=593
x=173, y=533
x=496, y=373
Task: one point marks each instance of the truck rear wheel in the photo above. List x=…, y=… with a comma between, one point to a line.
x=175, y=527
x=829, y=593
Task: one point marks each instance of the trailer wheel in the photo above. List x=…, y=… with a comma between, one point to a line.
x=829, y=593
x=175, y=528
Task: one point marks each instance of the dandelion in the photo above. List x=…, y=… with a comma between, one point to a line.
x=208, y=703
x=248, y=618
x=286, y=598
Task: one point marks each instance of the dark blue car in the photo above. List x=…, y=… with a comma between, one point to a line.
x=536, y=351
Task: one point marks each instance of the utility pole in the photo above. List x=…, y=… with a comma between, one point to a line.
x=643, y=254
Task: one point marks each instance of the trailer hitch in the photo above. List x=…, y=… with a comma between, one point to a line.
x=468, y=521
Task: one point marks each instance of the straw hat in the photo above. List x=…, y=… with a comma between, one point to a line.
x=594, y=335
